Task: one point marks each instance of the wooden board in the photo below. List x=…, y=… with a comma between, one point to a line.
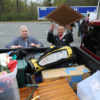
x=25, y=92
x=56, y=90
x=51, y=90
x=64, y=15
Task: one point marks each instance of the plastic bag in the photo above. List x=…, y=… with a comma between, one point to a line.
x=89, y=89
x=8, y=86
x=4, y=59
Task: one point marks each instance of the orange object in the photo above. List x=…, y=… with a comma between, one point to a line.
x=25, y=92
x=51, y=90
x=56, y=90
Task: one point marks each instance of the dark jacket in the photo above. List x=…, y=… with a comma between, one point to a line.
x=83, y=27
x=54, y=39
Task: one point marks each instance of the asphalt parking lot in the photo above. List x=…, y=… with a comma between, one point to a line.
x=39, y=30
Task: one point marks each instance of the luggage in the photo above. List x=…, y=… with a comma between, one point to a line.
x=51, y=58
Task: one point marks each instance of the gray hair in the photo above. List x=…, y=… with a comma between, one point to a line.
x=23, y=26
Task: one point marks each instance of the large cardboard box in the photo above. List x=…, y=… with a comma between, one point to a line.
x=72, y=74
x=64, y=15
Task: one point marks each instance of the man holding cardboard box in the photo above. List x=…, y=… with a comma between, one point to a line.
x=62, y=15
x=61, y=39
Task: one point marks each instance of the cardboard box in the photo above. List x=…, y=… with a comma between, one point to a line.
x=64, y=15
x=72, y=74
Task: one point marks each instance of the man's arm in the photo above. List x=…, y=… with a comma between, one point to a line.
x=50, y=37
x=35, y=43
x=14, y=43
x=69, y=34
x=70, y=37
x=16, y=46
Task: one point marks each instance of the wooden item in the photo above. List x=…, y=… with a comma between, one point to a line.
x=64, y=15
x=51, y=90
x=56, y=90
x=25, y=92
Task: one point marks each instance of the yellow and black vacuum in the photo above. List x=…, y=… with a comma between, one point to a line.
x=50, y=58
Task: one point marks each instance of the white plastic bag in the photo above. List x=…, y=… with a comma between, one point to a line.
x=8, y=86
x=89, y=89
x=4, y=59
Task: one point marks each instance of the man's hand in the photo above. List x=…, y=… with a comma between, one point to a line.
x=52, y=27
x=67, y=26
x=34, y=45
x=19, y=46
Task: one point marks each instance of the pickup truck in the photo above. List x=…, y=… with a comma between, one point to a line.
x=82, y=58
x=91, y=39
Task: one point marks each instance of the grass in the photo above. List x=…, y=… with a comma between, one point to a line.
x=27, y=21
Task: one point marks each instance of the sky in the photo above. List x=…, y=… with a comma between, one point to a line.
x=40, y=1
x=37, y=0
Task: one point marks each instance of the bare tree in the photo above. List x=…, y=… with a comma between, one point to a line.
x=1, y=7
x=18, y=7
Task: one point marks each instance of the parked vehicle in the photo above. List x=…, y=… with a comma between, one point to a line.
x=91, y=40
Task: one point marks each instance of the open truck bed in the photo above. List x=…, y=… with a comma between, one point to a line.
x=82, y=58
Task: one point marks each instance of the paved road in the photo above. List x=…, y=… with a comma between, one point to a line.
x=10, y=30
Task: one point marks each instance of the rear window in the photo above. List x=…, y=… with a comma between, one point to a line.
x=95, y=30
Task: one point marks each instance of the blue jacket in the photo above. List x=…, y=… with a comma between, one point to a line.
x=22, y=42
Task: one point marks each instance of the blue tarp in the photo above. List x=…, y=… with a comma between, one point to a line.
x=44, y=11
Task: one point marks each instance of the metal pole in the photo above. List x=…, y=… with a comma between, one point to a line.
x=98, y=10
